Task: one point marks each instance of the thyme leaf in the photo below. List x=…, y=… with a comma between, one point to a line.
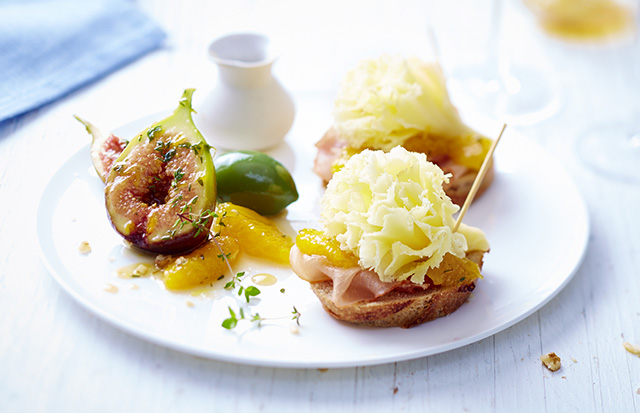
x=151, y=133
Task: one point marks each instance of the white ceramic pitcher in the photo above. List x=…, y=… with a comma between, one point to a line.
x=248, y=108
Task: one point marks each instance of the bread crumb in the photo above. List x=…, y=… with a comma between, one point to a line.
x=631, y=348
x=323, y=370
x=573, y=360
x=84, y=247
x=133, y=286
x=551, y=361
x=110, y=288
x=189, y=303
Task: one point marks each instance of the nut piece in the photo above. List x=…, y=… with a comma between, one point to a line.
x=551, y=361
x=140, y=270
x=631, y=348
x=84, y=247
x=162, y=261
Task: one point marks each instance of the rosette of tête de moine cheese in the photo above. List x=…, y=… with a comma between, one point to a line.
x=403, y=101
x=386, y=253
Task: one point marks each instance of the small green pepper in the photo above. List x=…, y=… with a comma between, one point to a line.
x=254, y=180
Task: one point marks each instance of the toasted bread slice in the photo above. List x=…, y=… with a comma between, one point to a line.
x=400, y=308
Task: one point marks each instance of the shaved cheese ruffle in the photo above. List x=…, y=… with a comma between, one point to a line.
x=389, y=210
x=383, y=102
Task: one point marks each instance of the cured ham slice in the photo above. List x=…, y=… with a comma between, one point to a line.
x=329, y=149
x=350, y=285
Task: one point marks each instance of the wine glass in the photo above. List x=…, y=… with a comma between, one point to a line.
x=469, y=39
x=612, y=148
x=605, y=33
x=580, y=20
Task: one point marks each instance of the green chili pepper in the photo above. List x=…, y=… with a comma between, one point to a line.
x=254, y=180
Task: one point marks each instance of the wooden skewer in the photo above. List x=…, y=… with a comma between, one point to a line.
x=476, y=183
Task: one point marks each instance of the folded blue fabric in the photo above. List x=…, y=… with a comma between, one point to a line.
x=49, y=48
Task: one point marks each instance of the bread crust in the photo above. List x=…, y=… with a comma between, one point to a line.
x=400, y=307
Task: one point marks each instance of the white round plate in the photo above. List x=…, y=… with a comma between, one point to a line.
x=533, y=215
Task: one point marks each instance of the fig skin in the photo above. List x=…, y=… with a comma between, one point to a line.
x=161, y=191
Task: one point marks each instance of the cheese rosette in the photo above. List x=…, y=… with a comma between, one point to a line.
x=383, y=102
x=390, y=211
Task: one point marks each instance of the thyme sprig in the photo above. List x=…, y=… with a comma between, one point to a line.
x=198, y=221
x=232, y=321
x=236, y=282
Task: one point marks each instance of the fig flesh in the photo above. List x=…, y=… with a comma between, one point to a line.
x=105, y=149
x=160, y=192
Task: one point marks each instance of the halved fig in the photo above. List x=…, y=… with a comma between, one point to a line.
x=160, y=192
x=105, y=149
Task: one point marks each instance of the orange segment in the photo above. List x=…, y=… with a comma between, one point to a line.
x=314, y=242
x=257, y=236
x=454, y=271
x=201, y=266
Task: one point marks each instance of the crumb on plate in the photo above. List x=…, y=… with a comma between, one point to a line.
x=551, y=361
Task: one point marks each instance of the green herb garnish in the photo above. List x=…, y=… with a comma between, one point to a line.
x=151, y=133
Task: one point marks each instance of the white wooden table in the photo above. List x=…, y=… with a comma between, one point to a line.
x=57, y=356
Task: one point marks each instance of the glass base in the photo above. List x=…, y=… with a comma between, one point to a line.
x=613, y=150
x=522, y=96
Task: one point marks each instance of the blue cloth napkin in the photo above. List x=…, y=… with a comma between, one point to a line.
x=49, y=48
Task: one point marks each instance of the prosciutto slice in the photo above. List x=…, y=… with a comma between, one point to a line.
x=350, y=285
x=329, y=149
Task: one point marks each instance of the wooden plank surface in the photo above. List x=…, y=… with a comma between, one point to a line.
x=57, y=356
